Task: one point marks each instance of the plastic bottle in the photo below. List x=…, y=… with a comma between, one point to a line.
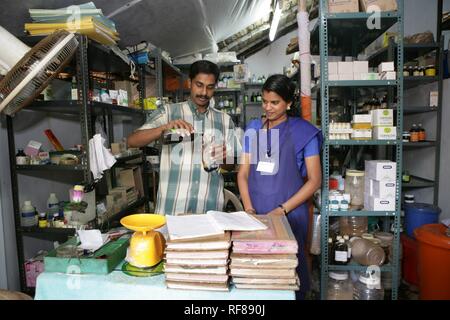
x=340, y=286
x=368, y=287
x=42, y=220
x=53, y=203
x=27, y=215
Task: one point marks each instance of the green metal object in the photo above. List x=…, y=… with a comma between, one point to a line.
x=347, y=34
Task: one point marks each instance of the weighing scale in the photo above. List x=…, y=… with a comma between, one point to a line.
x=146, y=246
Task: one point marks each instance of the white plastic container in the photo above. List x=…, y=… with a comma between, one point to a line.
x=28, y=215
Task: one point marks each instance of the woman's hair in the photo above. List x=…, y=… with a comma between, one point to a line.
x=281, y=85
x=204, y=66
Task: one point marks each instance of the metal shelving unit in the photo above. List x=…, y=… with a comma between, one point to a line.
x=347, y=34
x=88, y=55
x=251, y=109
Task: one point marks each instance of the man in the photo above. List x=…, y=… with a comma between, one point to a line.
x=184, y=185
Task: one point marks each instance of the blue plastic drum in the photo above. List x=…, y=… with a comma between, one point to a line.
x=418, y=214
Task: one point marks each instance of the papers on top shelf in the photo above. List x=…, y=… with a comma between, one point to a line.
x=192, y=226
x=211, y=224
x=237, y=221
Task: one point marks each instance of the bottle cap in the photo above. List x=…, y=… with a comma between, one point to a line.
x=78, y=188
x=27, y=203
x=341, y=240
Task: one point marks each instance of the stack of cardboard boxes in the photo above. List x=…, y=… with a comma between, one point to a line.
x=380, y=185
x=338, y=6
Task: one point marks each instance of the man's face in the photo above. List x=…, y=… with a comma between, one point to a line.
x=202, y=89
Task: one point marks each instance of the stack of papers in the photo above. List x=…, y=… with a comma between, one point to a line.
x=85, y=19
x=197, y=249
x=265, y=259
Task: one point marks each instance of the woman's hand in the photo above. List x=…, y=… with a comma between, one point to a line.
x=277, y=212
x=251, y=211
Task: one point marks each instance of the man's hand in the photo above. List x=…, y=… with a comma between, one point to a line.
x=179, y=124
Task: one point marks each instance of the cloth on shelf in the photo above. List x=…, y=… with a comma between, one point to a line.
x=100, y=158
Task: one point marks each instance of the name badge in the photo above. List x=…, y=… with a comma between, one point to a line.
x=266, y=167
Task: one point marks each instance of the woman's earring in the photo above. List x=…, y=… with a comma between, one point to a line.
x=289, y=107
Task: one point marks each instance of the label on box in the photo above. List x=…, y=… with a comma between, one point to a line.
x=434, y=98
x=362, y=118
x=382, y=117
x=385, y=133
x=381, y=170
x=362, y=134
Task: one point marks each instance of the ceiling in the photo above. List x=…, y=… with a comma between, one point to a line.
x=181, y=27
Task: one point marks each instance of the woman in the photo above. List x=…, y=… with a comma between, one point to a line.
x=278, y=176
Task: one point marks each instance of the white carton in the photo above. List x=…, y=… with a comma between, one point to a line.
x=383, y=189
x=434, y=98
x=388, y=75
x=384, y=133
x=382, y=117
x=332, y=68
x=333, y=77
x=365, y=134
x=386, y=66
x=370, y=76
x=360, y=66
x=379, y=204
x=345, y=76
x=381, y=170
x=362, y=118
x=345, y=67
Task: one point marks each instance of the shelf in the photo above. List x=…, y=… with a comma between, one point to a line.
x=220, y=65
x=415, y=110
x=123, y=160
x=361, y=142
x=411, y=82
x=422, y=144
x=226, y=90
x=352, y=266
x=253, y=85
x=361, y=213
x=71, y=107
x=47, y=233
x=417, y=182
x=361, y=83
x=49, y=167
x=258, y=103
x=342, y=25
x=126, y=211
x=410, y=52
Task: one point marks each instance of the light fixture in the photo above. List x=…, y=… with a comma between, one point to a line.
x=275, y=21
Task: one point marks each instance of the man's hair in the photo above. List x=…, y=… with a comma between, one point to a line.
x=204, y=66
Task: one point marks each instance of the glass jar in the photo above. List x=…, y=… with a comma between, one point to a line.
x=405, y=71
x=340, y=286
x=430, y=70
x=386, y=239
x=366, y=252
x=354, y=185
x=368, y=287
x=416, y=72
x=406, y=136
x=353, y=226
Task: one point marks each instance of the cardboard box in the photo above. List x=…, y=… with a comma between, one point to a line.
x=360, y=66
x=382, y=117
x=381, y=170
x=362, y=134
x=337, y=6
x=345, y=76
x=383, y=189
x=386, y=66
x=333, y=77
x=384, y=133
x=382, y=5
x=379, y=204
x=362, y=118
x=389, y=75
x=345, y=67
x=332, y=68
x=370, y=76
x=33, y=148
x=434, y=95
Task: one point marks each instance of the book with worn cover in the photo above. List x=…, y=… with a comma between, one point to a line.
x=292, y=287
x=197, y=286
x=262, y=273
x=199, y=263
x=266, y=281
x=218, y=242
x=192, y=277
x=196, y=269
x=198, y=255
x=263, y=260
x=276, y=239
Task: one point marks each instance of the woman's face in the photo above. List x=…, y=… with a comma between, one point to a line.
x=274, y=106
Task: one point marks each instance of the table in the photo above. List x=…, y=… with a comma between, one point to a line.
x=117, y=285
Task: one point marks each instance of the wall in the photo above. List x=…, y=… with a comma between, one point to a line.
x=272, y=58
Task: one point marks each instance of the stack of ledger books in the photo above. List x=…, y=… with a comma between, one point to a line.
x=265, y=259
x=198, y=263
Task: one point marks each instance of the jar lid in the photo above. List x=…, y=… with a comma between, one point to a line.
x=339, y=275
x=367, y=236
x=375, y=241
x=355, y=173
x=370, y=280
x=384, y=236
x=42, y=214
x=430, y=66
